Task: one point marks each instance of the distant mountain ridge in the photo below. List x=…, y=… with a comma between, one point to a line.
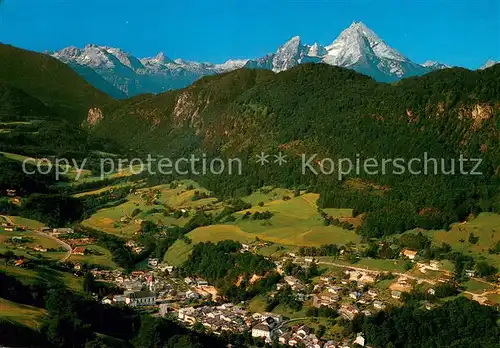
x=122, y=75
x=130, y=76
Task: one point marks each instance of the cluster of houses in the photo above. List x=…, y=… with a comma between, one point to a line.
x=302, y=335
x=226, y=317
x=272, y=328
x=339, y=294
x=135, y=247
x=154, y=287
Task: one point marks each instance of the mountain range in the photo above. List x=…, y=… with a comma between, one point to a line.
x=120, y=74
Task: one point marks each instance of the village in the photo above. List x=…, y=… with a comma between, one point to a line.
x=195, y=303
x=345, y=289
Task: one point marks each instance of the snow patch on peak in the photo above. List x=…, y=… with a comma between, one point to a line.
x=231, y=64
x=289, y=55
x=435, y=65
x=316, y=50
x=489, y=63
x=161, y=58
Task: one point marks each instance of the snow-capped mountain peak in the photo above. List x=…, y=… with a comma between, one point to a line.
x=358, y=42
x=161, y=58
x=316, y=50
x=489, y=63
x=289, y=55
x=357, y=47
x=435, y=65
x=231, y=64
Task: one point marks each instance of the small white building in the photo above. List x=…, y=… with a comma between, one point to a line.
x=396, y=294
x=408, y=253
x=360, y=340
x=470, y=272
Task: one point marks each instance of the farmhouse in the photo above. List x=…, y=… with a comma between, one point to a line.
x=408, y=253
x=360, y=340
x=470, y=273
x=79, y=251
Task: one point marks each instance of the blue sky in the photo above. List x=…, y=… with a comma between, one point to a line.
x=457, y=32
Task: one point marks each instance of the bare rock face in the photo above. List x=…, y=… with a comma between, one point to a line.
x=187, y=110
x=94, y=116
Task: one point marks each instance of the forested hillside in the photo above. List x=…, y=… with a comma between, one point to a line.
x=54, y=83
x=335, y=113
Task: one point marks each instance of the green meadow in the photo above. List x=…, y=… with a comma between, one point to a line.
x=295, y=222
x=22, y=314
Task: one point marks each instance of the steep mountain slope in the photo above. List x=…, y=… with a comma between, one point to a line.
x=97, y=81
x=336, y=113
x=357, y=47
x=15, y=104
x=42, y=105
x=50, y=81
x=333, y=94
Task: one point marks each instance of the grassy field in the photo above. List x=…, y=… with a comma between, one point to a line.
x=22, y=314
x=295, y=222
x=287, y=312
x=41, y=274
x=486, y=226
x=32, y=224
x=476, y=287
x=366, y=263
x=100, y=257
x=267, y=194
x=23, y=249
x=108, y=219
x=257, y=304
x=495, y=298
x=179, y=251
x=101, y=190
